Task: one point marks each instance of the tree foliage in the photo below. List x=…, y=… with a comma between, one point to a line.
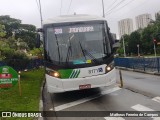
x=144, y=38
x=16, y=39
x=133, y=42
x=2, y=31
x=14, y=27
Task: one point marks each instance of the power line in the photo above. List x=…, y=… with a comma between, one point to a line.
x=69, y=6
x=115, y=6
x=112, y=4
x=121, y=7
x=137, y=6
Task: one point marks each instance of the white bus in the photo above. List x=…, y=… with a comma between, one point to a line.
x=78, y=53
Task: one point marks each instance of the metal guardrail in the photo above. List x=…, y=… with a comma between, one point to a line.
x=143, y=64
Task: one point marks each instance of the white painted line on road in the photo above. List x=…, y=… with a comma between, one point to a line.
x=114, y=118
x=77, y=102
x=139, y=107
x=157, y=99
x=157, y=118
x=51, y=109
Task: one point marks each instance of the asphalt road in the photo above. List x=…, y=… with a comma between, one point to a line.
x=141, y=92
x=146, y=84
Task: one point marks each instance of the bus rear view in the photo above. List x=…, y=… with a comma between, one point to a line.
x=78, y=53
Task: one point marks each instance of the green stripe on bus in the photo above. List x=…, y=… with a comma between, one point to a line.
x=76, y=71
x=77, y=74
x=71, y=76
x=65, y=73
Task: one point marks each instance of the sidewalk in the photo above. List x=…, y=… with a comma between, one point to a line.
x=133, y=70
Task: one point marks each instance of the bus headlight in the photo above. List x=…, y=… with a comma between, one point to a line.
x=53, y=73
x=109, y=67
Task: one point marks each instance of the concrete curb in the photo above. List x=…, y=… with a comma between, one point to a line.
x=129, y=69
x=41, y=100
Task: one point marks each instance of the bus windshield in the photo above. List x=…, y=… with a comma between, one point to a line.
x=77, y=43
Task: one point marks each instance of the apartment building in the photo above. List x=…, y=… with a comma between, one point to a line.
x=125, y=26
x=143, y=20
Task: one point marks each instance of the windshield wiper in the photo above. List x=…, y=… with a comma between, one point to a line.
x=84, y=51
x=58, y=47
x=69, y=51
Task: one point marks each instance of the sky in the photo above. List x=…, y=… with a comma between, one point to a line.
x=115, y=10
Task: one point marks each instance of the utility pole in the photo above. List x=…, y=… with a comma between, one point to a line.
x=103, y=8
x=124, y=50
x=40, y=11
x=154, y=41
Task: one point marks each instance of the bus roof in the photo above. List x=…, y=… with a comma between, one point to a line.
x=72, y=18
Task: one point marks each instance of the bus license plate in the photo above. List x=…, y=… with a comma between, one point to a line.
x=87, y=86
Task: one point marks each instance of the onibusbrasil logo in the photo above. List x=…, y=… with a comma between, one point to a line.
x=8, y=77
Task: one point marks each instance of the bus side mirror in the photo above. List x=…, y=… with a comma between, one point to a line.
x=38, y=41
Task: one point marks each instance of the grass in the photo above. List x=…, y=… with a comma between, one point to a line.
x=10, y=100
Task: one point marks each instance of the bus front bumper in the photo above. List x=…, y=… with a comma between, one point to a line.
x=56, y=85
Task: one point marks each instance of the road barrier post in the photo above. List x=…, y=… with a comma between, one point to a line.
x=158, y=64
x=121, y=80
x=19, y=85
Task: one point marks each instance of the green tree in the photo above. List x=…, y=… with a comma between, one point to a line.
x=27, y=36
x=147, y=39
x=120, y=50
x=11, y=24
x=134, y=40
x=5, y=50
x=2, y=31
x=37, y=52
x=14, y=28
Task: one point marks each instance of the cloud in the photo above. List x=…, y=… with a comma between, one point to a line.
x=27, y=10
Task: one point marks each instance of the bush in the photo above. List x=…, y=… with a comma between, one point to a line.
x=18, y=60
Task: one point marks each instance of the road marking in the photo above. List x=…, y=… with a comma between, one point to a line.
x=157, y=118
x=114, y=118
x=51, y=109
x=77, y=102
x=157, y=99
x=139, y=107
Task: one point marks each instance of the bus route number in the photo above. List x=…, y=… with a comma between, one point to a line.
x=58, y=31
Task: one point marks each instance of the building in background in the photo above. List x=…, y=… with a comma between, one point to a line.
x=143, y=20
x=157, y=14
x=125, y=26
x=114, y=36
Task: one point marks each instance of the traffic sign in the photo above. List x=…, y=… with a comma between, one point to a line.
x=8, y=77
